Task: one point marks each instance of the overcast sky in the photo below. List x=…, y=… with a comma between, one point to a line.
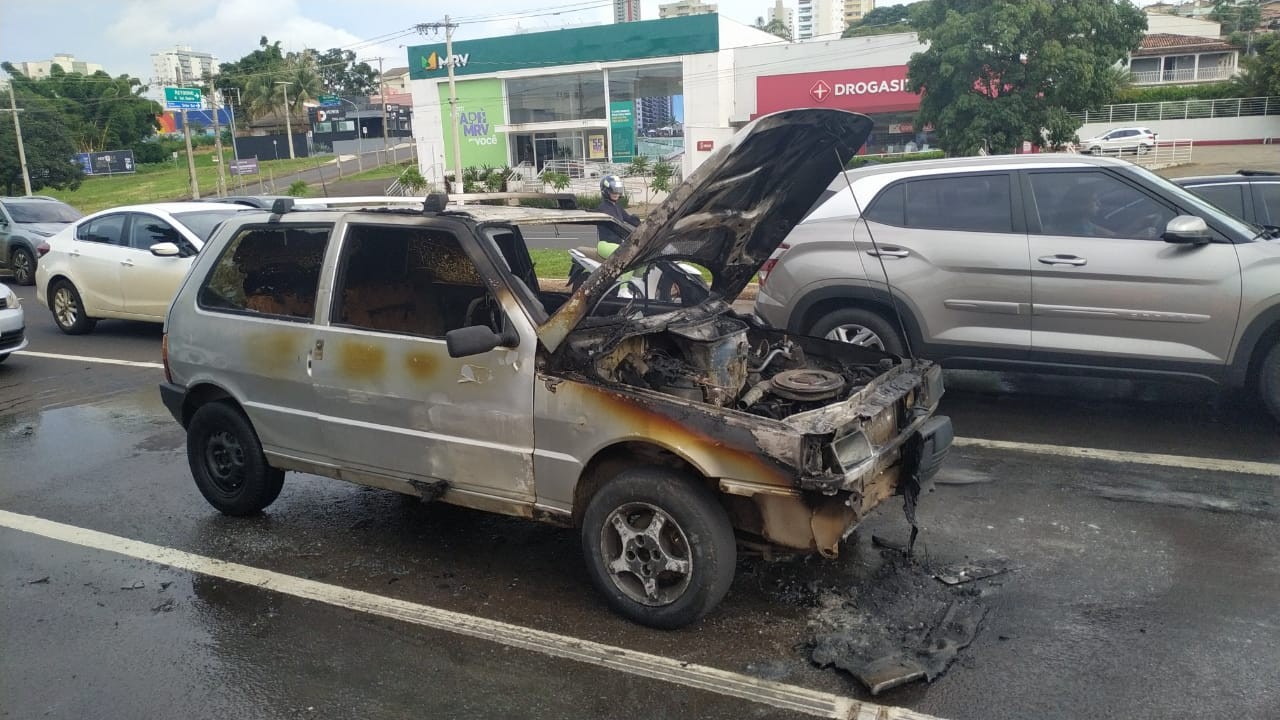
x=120, y=35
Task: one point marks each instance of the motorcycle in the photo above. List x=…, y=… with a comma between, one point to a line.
x=674, y=282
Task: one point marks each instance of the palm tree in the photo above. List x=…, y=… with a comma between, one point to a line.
x=264, y=95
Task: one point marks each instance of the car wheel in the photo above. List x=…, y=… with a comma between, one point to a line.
x=1095, y=150
x=227, y=462
x=1143, y=149
x=860, y=327
x=658, y=547
x=23, y=265
x=1269, y=381
x=68, y=309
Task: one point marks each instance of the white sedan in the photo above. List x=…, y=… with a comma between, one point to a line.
x=124, y=263
x=12, y=326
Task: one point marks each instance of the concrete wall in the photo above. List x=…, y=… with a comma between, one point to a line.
x=1209, y=131
x=816, y=56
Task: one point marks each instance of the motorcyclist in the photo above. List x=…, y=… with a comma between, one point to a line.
x=610, y=192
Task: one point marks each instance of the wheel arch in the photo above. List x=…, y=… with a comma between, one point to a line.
x=821, y=301
x=610, y=460
x=1257, y=339
x=202, y=394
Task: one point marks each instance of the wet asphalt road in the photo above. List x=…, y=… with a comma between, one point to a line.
x=1133, y=590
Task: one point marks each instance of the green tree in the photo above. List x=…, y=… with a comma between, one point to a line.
x=48, y=145
x=776, y=26
x=881, y=21
x=266, y=59
x=342, y=75
x=1237, y=16
x=999, y=72
x=265, y=91
x=1260, y=73
x=98, y=111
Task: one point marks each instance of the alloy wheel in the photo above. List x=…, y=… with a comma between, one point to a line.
x=65, y=308
x=856, y=335
x=22, y=270
x=647, y=554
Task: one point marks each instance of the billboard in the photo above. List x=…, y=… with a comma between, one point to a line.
x=480, y=111
x=112, y=162
x=244, y=166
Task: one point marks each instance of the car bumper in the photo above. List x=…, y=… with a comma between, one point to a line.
x=13, y=336
x=173, y=397
x=770, y=310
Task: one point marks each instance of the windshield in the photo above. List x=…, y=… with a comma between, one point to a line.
x=204, y=222
x=1198, y=205
x=42, y=211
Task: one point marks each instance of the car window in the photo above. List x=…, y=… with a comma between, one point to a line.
x=108, y=229
x=270, y=271
x=970, y=203
x=147, y=230
x=1096, y=204
x=42, y=211
x=1227, y=197
x=890, y=207
x=1268, y=203
x=410, y=281
x=202, y=223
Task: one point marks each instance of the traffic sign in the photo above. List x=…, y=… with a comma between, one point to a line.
x=176, y=98
x=330, y=100
x=244, y=166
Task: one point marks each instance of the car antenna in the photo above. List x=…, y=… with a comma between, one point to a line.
x=897, y=312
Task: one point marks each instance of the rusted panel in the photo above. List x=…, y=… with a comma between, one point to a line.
x=362, y=360
x=420, y=365
x=275, y=353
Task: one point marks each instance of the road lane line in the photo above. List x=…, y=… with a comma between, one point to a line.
x=655, y=667
x=1187, y=462
x=83, y=358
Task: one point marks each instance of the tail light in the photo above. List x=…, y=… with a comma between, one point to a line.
x=42, y=249
x=164, y=357
x=771, y=262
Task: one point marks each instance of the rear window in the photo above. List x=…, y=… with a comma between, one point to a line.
x=42, y=211
x=203, y=222
x=270, y=271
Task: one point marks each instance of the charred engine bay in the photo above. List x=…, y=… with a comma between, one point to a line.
x=729, y=361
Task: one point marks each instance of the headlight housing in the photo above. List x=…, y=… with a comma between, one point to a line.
x=12, y=301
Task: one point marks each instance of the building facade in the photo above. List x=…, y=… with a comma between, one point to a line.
x=42, y=68
x=819, y=18
x=685, y=8
x=181, y=65
x=855, y=10
x=626, y=10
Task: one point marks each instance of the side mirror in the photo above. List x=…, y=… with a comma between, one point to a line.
x=165, y=249
x=1187, y=230
x=477, y=339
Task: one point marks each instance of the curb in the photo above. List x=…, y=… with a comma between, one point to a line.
x=557, y=284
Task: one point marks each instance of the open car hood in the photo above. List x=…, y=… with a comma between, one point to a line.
x=735, y=209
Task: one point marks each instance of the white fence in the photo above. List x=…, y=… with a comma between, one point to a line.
x=1185, y=75
x=1165, y=153
x=1181, y=110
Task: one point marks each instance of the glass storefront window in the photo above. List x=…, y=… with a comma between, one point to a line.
x=897, y=133
x=646, y=110
x=577, y=96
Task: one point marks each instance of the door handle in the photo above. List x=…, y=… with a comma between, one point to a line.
x=888, y=251
x=127, y=263
x=1062, y=260
x=74, y=253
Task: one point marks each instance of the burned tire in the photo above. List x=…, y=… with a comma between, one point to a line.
x=857, y=326
x=658, y=547
x=1269, y=381
x=68, y=309
x=227, y=462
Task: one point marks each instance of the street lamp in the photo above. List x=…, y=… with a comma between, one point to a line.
x=275, y=148
x=288, y=131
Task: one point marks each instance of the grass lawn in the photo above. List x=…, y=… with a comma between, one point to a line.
x=551, y=263
x=167, y=181
x=385, y=172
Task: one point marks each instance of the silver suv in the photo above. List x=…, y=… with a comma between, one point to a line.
x=24, y=224
x=409, y=348
x=1064, y=262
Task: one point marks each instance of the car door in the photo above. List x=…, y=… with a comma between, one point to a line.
x=1107, y=289
x=954, y=250
x=93, y=262
x=392, y=402
x=149, y=282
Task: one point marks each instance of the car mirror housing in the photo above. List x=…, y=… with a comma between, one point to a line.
x=477, y=339
x=1187, y=230
x=165, y=249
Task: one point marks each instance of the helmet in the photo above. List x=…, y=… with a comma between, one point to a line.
x=610, y=184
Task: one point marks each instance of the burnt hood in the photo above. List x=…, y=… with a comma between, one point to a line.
x=735, y=209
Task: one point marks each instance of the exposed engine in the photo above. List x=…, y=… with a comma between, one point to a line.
x=726, y=362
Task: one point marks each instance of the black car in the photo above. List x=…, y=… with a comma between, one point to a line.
x=1251, y=195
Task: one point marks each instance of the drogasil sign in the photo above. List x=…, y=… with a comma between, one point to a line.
x=880, y=89
x=821, y=90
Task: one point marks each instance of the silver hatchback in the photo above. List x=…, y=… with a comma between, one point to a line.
x=1060, y=262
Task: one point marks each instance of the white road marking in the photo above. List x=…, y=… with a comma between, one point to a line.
x=654, y=667
x=83, y=358
x=1122, y=456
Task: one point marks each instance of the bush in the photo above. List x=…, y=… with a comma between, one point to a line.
x=1209, y=91
x=299, y=188
x=860, y=160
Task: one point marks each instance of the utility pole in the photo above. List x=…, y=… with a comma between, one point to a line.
x=17, y=129
x=382, y=92
x=288, y=129
x=217, y=142
x=191, y=160
x=453, y=94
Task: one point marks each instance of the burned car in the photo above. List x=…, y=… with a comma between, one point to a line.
x=411, y=348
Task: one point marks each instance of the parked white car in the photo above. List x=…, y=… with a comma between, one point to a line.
x=1138, y=140
x=124, y=263
x=12, y=325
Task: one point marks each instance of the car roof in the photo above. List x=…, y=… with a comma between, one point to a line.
x=175, y=207
x=1226, y=179
x=983, y=162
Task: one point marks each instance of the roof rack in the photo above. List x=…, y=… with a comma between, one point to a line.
x=430, y=203
x=1249, y=173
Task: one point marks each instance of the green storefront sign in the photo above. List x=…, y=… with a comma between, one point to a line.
x=479, y=113
x=620, y=41
x=622, y=129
